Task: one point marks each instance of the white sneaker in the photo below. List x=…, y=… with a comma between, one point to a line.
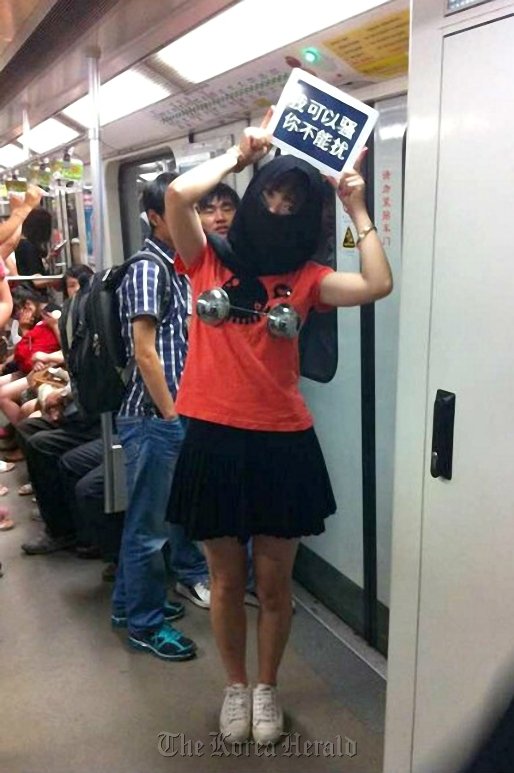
x=236, y=713
x=199, y=593
x=251, y=598
x=268, y=718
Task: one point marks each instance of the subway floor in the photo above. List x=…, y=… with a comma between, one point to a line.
x=75, y=699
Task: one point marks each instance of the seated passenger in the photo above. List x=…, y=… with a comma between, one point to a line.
x=76, y=277
x=43, y=442
x=37, y=348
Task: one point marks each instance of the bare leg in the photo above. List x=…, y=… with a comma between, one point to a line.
x=9, y=377
x=9, y=394
x=28, y=409
x=227, y=566
x=273, y=560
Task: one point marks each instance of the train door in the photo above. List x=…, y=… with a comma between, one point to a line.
x=452, y=630
x=348, y=567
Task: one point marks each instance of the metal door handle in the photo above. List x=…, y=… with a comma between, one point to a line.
x=441, y=460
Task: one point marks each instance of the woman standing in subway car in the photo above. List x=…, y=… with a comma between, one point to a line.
x=251, y=464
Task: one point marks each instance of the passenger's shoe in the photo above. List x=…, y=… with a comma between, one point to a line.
x=48, y=544
x=236, y=713
x=199, y=593
x=251, y=598
x=166, y=643
x=172, y=611
x=268, y=719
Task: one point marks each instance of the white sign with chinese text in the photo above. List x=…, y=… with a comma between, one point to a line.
x=320, y=123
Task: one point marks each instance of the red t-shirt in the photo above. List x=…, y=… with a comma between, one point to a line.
x=39, y=339
x=237, y=373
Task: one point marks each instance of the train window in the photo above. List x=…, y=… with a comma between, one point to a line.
x=318, y=336
x=132, y=177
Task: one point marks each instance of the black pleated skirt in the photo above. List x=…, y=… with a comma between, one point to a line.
x=237, y=483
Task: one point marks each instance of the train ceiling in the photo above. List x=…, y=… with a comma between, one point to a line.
x=369, y=48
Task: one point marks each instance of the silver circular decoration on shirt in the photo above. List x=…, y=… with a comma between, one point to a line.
x=284, y=321
x=213, y=306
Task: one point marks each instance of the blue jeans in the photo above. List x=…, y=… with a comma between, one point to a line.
x=187, y=561
x=151, y=447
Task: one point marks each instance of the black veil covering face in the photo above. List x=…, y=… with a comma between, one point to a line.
x=262, y=243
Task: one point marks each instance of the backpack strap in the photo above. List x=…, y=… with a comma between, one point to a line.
x=120, y=275
x=152, y=258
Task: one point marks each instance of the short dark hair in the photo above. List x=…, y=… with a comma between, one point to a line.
x=21, y=295
x=220, y=191
x=80, y=272
x=37, y=227
x=154, y=192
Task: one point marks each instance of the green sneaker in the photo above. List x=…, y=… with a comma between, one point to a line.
x=166, y=643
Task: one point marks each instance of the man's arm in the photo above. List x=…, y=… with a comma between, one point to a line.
x=151, y=369
x=5, y=296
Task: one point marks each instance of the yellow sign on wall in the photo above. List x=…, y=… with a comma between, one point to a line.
x=378, y=49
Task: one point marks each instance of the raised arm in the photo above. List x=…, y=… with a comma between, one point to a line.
x=5, y=297
x=10, y=244
x=20, y=208
x=183, y=193
x=375, y=279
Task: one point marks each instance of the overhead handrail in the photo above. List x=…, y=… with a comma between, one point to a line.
x=32, y=277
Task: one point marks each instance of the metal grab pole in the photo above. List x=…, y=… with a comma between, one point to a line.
x=97, y=180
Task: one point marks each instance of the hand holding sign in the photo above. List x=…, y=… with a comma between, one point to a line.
x=254, y=144
x=351, y=187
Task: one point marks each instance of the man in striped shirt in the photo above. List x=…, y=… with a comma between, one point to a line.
x=151, y=434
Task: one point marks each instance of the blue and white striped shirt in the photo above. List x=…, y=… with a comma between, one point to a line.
x=140, y=294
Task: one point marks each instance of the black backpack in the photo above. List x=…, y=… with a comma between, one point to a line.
x=92, y=342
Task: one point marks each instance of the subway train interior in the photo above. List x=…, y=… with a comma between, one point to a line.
x=401, y=654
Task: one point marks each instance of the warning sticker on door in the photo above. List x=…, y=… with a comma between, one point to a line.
x=379, y=49
x=348, y=240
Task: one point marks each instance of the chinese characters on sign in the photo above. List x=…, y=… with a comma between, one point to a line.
x=385, y=221
x=321, y=138
x=320, y=123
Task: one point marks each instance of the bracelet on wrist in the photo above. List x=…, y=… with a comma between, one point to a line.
x=365, y=231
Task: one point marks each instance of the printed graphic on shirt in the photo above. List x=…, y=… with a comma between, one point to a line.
x=249, y=299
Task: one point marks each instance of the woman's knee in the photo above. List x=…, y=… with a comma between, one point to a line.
x=227, y=584
x=273, y=590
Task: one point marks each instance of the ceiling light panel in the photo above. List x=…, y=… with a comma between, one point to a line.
x=121, y=96
x=249, y=30
x=49, y=135
x=11, y=155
